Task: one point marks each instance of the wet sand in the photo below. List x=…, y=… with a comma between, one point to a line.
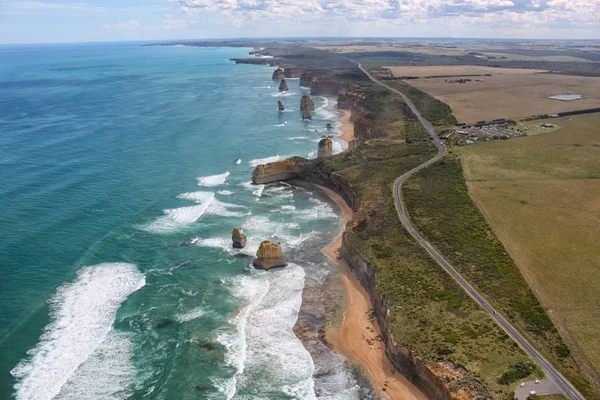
x=357, y=338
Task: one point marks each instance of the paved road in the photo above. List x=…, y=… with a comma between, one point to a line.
x=551, y=373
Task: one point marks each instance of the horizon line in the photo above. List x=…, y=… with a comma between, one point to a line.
x=297, y=38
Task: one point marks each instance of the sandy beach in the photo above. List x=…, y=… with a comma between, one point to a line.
x=358, y=336
x=347, y=127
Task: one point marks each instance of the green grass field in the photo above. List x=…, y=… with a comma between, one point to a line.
x=429, y=312
x=541, y=195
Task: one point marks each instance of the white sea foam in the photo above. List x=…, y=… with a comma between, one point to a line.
x=283, y=94
x=107, y=374
x=82, y=314
x=178, y=217
x=222, y=209
x=225, y=192
x=298, y=138
x=213, y=180
x=258, y=192
x=269, y=356
x=311, y=155
x=279, y=125
x=239, y=161
x=190, y=315
x=265, y=160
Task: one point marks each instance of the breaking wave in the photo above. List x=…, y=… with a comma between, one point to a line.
x=264, y=350
x=213, y=180
x=265, y=160
x=82, y=314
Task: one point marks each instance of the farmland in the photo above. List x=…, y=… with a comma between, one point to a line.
x=541, y=195
x=507, y=93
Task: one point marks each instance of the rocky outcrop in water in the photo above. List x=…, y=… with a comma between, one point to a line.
x=238, y=238
x=325, y=148
x=278, y=74
x=307, y=101
x=280, y=105
x=306, y=114
x=329, y=127
x=275, y=171
x=283, y=86
x=269, y=255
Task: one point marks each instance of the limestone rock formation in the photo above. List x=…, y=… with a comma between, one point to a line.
x=283, y=86
x=306, y=79
x=329, y=127
x=269, y=255
x=293, y=72
x=280, y=105
x=325, y=148
x=278, y=74
x=275, y=171
x=307, y=101
x=306, y=113
x=346, y=100
x=238, y=238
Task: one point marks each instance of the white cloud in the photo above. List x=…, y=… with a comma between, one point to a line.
x=535, y=13
x=123, y=26
x=170, y=22
x=21, y=7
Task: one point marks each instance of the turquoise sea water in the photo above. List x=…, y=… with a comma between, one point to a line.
x=123, y=170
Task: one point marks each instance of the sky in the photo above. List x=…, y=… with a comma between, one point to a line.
x=57, y=21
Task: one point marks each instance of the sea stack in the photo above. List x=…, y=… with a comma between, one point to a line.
x=325, y=148
x=280, y=105
x=238, y=238
x=278, y=74
x=329, y=127
x=307, y=101
x=283, y=86
x=269, y=255
x=306, y=114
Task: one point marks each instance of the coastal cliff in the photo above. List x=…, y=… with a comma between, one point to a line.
x=320, y=86
x=277, y=171
x=293, y=72
x=403, y=359
x=430, y=379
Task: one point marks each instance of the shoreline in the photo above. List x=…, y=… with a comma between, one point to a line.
x=358, y=337
x=347, y=127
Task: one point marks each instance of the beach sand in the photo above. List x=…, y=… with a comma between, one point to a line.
x=357, y=327
x=347, y=127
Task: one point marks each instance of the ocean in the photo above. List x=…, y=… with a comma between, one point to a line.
x=124, y=169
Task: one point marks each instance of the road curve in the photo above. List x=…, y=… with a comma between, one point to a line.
x=551, y=373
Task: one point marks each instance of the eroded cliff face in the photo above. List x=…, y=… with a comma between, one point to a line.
x=306, y=101
x=363, y=129
x=403, y=359
x=319, y=86
x=325, y=148
x=347, y=99
x=269, y=255
x=278, y=74
x=293, y=72
x=276, y=171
